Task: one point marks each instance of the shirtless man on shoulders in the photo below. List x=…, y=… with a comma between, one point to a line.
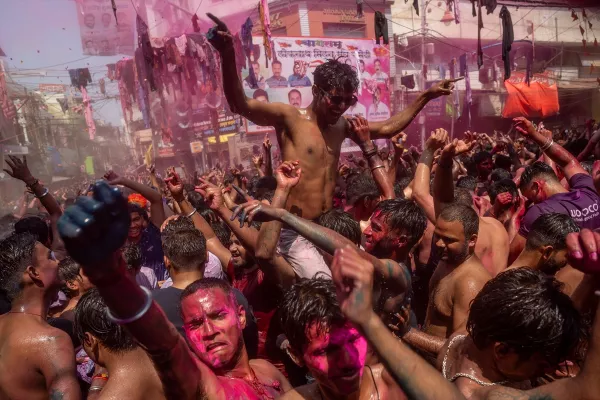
x=37, y=361
x=131, y=374
x=215, y=365
x=333, y=350
x=313, y=135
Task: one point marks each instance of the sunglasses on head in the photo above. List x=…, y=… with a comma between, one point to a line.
x=337, y=100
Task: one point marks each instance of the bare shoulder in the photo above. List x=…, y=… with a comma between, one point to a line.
x=494, y=227
x=266, y=369
x=472, y=277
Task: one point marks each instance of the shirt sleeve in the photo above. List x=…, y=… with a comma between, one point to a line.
x=528, y=219
x=582, y=181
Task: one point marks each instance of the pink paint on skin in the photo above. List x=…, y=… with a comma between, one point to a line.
x=213, y=327
x=336, y=358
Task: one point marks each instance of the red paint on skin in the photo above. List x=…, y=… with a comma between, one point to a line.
x=336, y=358
x=212, y=326
x=375, y=232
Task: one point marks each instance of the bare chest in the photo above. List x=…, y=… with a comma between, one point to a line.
x=440, y=296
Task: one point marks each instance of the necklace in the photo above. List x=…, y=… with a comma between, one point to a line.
x=462, y=374
x=24, y=312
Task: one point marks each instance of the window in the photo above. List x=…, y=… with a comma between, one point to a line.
x=331, y=29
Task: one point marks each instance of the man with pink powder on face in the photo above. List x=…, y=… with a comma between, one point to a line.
x=332, y=349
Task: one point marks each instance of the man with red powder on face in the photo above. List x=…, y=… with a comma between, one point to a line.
x=217, y=365
x=333, y=350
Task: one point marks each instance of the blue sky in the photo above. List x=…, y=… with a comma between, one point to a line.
x=45, y=33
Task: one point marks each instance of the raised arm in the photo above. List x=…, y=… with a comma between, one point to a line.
x=353, y=278
x=556, y=152
x=95, y=228
x=590, y=146
x=268, y=156
x=421, y=188
x=328, y=240
x=264, y=114
x=20, y=170
x=359, y=128
x=213, y=244
x=399, y=122
x=157, y=211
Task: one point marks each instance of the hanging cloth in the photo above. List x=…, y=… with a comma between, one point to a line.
x=528, y=66
x=359, y=9
x=416, y=6
x=479, y=28
x=463, y=65
x=490, y=6
x=456, y=11
x=240, y=60
x=246, y=36
x=87, y=112
x=265, y=22
x=508, y=37
x=111, y=71
x=147, y=52
x=381, y=28
x=114, y=8
x=102, y=85
x=64, y=104
x=195, y=23
x=473, y=8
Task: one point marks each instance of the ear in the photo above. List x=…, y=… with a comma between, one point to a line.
x=92, y=344
x=546, y=252
x=295, y=358
x=400, y=241
x=168, y=263
x=242, y=316
x=473, y=241
x=34, y=276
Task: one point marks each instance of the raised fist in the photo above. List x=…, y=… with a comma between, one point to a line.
x=95, y=227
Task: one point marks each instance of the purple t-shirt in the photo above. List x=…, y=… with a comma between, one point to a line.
x=581, y=203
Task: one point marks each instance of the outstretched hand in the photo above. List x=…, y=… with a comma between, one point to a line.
x=219, y=35
x=175, y=186
x=437, y=140
x=213, y=195
x=94, y=228
x=112, y=177
x=442, y=88
x=353, y=278
x=583, y=250
x=19, y=169
x=524, y=126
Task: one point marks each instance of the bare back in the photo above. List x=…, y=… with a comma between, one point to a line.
x=318, y=151
x=492, y=245
x=451, y=290
x=29, y=350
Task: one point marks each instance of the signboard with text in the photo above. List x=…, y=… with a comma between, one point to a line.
x=289, y=77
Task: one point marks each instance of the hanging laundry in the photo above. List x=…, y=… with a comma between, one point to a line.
x=359, y=9
x=452, y=68
x=246, y=37
x=490, y=5
x=463, y=65
x=508, y=37
x=64, y=104
x=74, y=76
x=473, y=7
x=240, y=59
x=574, y=16
x=581, y=30
x=181, y=43
x=408, y=81
x=114, y=8
x=265, y=22
x=468, y=101
x=195, y=24
x=148, y=53
x=87, y=112
x=479, y=28
x=456, y=11
x=416, y=5
x=442, y=71
x=111, y=71
x=381, y=28
x=102, y=85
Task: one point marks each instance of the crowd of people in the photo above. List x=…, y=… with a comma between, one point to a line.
x=466, y=270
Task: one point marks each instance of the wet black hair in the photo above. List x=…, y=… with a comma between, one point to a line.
x=341, y=222
x=463, y=196
x=7, y=225
x=91, y=316
x=185, y=249
x=550, y=230
x=337, y=75
x=481, y=156
x=36, y=226
x=503, y=162
x=360, y=186
x=499, y=174
x=463, y=214
x=503, y=186
x=588, y=166
x=133, y=257
x=134, y=208
x=180, y=223
x=68, y=270
x=467, y=182
x=400, y=185
x=526, y=310
x=404, y=216
x=222, y=232
x=16, y=254
x=197, y=201
x=308, y=302
x=537, y=169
